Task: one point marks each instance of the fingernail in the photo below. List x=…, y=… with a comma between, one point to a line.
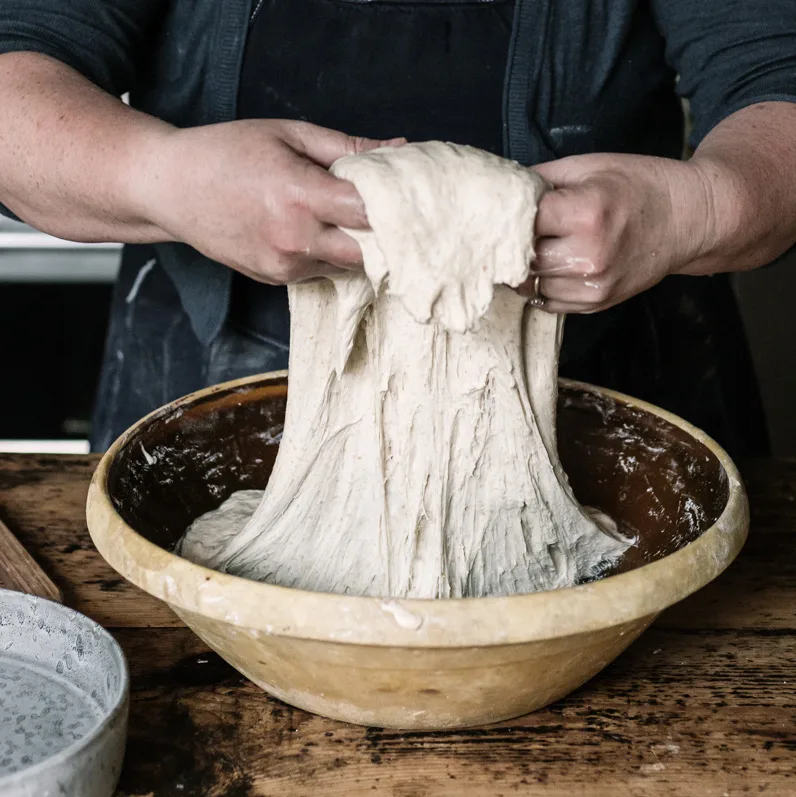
x=394, y=142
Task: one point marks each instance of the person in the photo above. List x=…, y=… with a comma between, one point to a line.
x=215, y=174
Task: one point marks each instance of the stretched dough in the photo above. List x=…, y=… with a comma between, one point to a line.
x=419, y=454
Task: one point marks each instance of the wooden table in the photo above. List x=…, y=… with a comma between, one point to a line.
x=703, y=704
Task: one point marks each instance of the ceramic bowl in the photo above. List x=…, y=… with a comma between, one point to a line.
x=419, y=663
x=64, y=696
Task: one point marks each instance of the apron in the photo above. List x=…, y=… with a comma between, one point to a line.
x=430, y=69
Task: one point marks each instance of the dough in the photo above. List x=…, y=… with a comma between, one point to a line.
x=419, y=454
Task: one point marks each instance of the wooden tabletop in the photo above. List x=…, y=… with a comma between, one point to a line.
x=703, y=704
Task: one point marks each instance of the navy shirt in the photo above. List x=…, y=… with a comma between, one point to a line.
x=581, y=76
x=440, y=78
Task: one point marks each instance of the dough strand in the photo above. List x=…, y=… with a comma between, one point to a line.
x=419, y=453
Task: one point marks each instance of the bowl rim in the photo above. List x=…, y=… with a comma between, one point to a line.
x=264, y=609
x=108, y=717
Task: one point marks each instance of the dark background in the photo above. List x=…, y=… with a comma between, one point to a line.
x=52, y=347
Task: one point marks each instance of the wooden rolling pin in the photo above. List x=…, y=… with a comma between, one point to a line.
x=19, y=570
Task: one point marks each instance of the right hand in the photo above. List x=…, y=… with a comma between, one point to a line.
x=256, y=195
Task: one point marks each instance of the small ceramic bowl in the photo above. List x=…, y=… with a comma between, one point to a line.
x=64, y=699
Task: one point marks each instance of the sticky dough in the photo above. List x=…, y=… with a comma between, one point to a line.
x=419, y=452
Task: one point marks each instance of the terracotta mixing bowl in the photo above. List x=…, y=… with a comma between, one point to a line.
x=419, y=663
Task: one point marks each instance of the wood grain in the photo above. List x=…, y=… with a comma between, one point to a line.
x=678, y=715
x=20, y=571
x=703, y=704
x=44, y=499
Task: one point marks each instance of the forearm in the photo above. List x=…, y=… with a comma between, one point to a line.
x=74, y=161
x=748, y=164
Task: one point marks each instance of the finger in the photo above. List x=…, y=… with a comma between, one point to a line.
x=281, y=272
x=559, y=172
x=320, y=271
x=569, y=289
x=334, y=201
x=561, y=256
x=557, y=213
x=563, y=289
x=575, y=168
x=333, y=246
x=566, y=294
x=325, y=146
x=551, y=305
x=568, y=308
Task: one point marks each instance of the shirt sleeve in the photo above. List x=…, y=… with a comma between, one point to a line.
x=729, y=54
x=99, y=38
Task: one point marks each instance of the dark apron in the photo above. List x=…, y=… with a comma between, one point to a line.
x=426, y=70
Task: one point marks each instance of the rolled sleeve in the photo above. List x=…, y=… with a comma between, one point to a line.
x=729, y=54
x=101, y=40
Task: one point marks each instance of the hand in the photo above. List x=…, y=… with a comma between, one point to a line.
x=615, y=225
x=256, y=195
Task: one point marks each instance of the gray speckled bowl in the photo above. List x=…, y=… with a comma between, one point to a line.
x=64, y=699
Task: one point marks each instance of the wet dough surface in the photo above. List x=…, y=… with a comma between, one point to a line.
x=419, y=453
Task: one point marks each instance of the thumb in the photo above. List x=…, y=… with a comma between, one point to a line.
x=571, y=170
x=325, y=146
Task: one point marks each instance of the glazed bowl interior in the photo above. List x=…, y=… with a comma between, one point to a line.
x=659, y=481
x=423, y=664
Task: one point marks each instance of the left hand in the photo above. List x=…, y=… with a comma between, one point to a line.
x=615, y=225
